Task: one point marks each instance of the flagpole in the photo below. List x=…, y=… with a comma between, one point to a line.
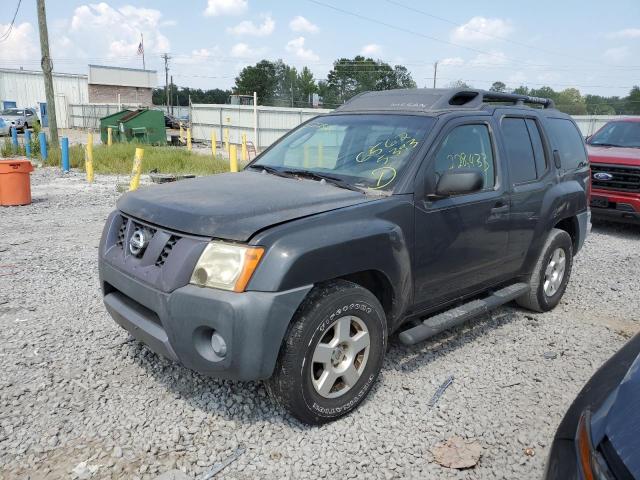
x=142, y=42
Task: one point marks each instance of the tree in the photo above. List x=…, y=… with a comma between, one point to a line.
x=458, y=84
x=260, y=78
x=521, y=90
x=348, y=77
x=570, y=101
x=306, y=84
x=632, y=103
x=499, y=87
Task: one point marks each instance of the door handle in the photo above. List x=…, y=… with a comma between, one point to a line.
x=500, y=207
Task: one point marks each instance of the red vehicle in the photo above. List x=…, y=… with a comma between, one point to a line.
x=614, y=153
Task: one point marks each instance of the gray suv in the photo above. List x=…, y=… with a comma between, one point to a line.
x=404, y=211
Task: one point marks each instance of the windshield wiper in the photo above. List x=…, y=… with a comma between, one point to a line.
x=336, y=181
x=271, y=170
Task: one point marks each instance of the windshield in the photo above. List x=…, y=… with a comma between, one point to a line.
x=367, y=151
x=618, y=134
x=12, y=111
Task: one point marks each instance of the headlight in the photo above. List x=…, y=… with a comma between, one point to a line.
x=226, y=266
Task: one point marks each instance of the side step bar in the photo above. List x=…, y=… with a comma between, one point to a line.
x=451, y=318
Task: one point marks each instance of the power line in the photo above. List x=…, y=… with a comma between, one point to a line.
x=5, y=35
x=423, y=35
x=497, y=37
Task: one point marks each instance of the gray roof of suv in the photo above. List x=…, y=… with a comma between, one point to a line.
x=434, y=100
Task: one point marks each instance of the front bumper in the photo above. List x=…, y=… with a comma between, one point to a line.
x=179, y=325
x=615, y=206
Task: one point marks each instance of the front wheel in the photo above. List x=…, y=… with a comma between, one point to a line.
x=550, y=276
x=332, y=354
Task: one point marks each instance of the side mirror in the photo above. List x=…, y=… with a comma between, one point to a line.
x=459, y=181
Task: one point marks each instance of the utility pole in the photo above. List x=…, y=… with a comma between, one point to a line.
x=171, y=95
x=166, y=79
x=47, y=68
x=435, y=73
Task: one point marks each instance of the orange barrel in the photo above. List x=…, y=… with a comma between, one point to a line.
x=15, y=182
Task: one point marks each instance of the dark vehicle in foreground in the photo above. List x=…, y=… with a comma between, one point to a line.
x=599, y=437
x=614, y=154
x=404, y=211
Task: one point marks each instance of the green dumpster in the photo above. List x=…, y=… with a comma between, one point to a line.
x=143, y=126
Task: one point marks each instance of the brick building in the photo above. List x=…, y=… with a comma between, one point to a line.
x=121, y=85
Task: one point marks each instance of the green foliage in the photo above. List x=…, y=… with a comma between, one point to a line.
x=260, y=78
x=458, y=84
x=180, y=95
x=498, y=87
x=118, y=159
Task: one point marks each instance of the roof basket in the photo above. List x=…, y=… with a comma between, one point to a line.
x=435, y=99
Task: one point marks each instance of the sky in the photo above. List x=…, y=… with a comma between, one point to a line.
x=562, y=44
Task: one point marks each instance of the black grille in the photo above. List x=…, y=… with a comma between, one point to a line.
x=121, y=232
x=166, y=250
x=625, y=179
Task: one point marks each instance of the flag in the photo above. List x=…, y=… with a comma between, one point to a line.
x=141, y=49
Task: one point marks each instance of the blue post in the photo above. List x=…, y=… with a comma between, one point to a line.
x=14, y=137
x=42, y=138
x=27, y=142
x=65, y=154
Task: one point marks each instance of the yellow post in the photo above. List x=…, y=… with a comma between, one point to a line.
x=136, y=170
x=109, y=136
x=214, y=142
x=306, y=156
x=189, y=139
x=245, y=154
x=226, y=140
x=233, y=158
x=181, y=132
x=89, y=160
x=320, y=156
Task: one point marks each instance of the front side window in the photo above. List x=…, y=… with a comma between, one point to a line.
x=618, y=134
x=467, y=146
x=368, y=151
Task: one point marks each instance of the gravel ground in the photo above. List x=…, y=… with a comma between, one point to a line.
x=79, y=399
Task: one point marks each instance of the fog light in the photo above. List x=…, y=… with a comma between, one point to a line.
x=218, y=344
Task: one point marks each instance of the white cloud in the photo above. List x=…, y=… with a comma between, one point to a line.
x=118, y=30
x=197, y=56
x=301, y=24
x=296, y=46
x=625, y=33
x=225, y=7
x=616, y=54
x=451, y=62
x=371, y=49
x=242, y=50
x=481, y=29
x=20, y=44
x=518, y=78
x=247, y=27
x=488, y=59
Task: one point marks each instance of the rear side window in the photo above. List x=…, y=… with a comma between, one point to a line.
x=538, y=147
x=522, y=164
x=569, y=143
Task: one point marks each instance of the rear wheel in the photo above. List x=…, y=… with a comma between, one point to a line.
x=550, y=276
x=332, y=354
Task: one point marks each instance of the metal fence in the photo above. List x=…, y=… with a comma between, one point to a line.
x=272, y=122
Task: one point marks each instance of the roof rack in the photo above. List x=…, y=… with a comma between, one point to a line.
x=434, y=99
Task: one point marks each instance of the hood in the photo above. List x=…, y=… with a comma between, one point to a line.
x=234, y=206
x=614, y=155
x=619, y=419
x=12, y=118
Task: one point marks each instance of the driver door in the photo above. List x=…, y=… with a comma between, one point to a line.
x=460, y=241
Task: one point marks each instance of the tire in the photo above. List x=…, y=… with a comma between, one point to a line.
x=315, y=392
x=546, y=290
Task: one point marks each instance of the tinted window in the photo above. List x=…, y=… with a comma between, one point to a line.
x=538, y=147
x=467, y=146
x=522, y=164
x=618, y=134
x=368, y=151
x=568, y=141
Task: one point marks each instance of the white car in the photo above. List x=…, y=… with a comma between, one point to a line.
x=20, y=118
x=5, y=129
